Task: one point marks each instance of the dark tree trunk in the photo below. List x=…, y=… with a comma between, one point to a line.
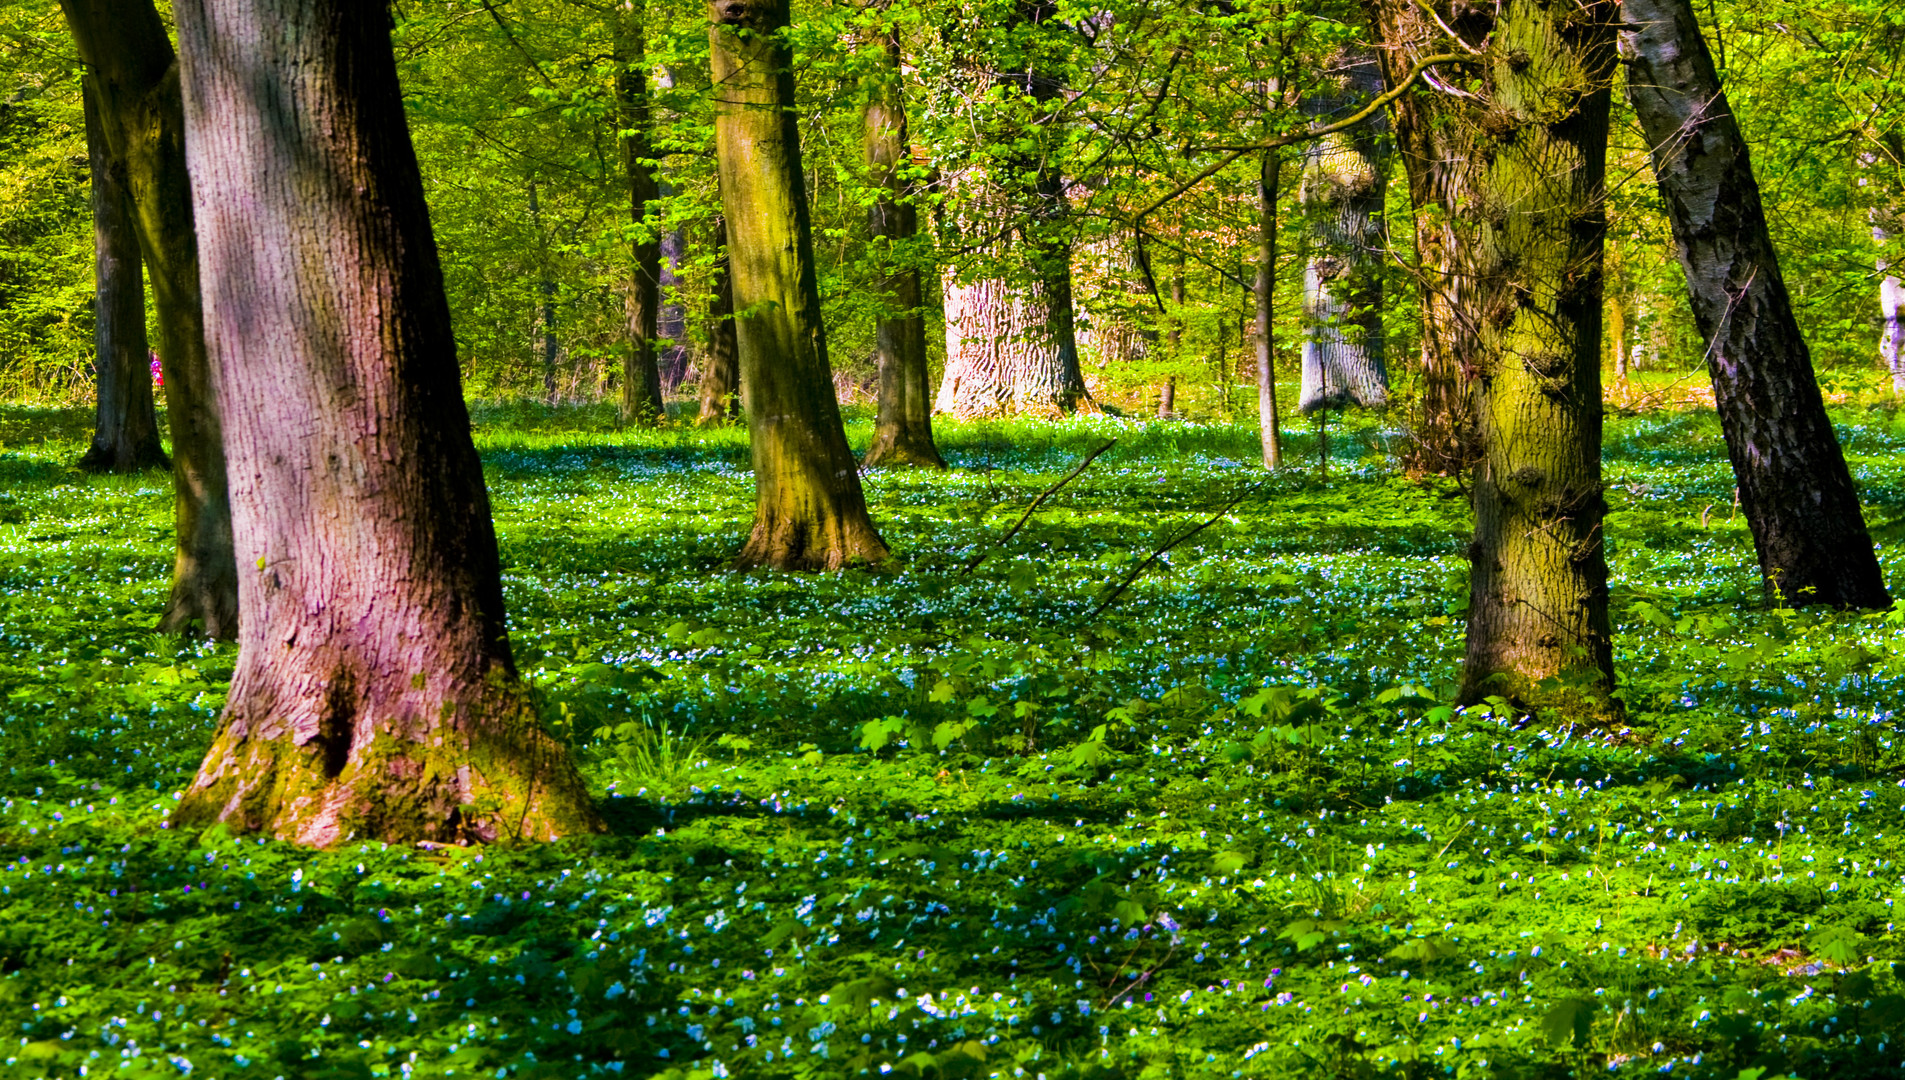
x=641, y=375
x=1795, y=490
x=1167, y=395
x=721, y=367
x=1342, y=197
x=1270, y=424
x=1442, y=433
x=136, y=75
x=374, y=695
x=903, y=427
x=125, y=426
x=809, y=512
x=551, y=346
x=671, y=325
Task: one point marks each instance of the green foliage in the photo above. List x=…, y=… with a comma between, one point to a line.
x=915, y=820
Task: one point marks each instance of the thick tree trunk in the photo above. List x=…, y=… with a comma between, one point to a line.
x=809, y=512
x=136, y=75
x=1270, y=424
x=1342, y=197
x=641, y=375
x=903, y=427
x=1441, y=435
x=374, y=695
x=1795, y=490
x=1538, y=629
x=125, y=426
x=1011, y=335
x=721, y=367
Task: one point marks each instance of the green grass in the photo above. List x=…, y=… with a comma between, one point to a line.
x=953, y=825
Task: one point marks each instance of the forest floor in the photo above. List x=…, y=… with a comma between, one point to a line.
x=947, y=824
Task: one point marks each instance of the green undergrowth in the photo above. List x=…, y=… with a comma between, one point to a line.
x=1009, y=821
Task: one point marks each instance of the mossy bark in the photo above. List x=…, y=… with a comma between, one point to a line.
x=1538, y=629
x=809, y=511
x=374, y=694
x=125, y=425
x=136, y=76
x=903, y=426
x=1795, y=490
x=721, y=365
x=641, y=373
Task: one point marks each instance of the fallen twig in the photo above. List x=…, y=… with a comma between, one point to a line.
x=1023, y=518
x=1117, y=591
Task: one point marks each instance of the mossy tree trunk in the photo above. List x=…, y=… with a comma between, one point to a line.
x=1538, y=629
x=135, y=74
x=809, y=512
x=1795, y=489
x=903, y=426
x=641, y=373
x=1434, y=154
x=374, y=694
x=1342, y=199
x=721, y=365
x=125, y=425
x=1270, y=423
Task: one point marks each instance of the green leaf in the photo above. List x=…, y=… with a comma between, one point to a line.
x=1567, y=1023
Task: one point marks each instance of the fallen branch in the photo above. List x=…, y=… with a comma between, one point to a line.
x=1112, y=596
x=1027, y=516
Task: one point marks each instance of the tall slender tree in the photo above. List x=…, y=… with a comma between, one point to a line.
x=809, y=511
x=1269, y=421
x=136, y=80
x=641, y=374
x=1795, y=489
x=903, y=426
x=721, y=363
x=125, y=425
x=374, y=694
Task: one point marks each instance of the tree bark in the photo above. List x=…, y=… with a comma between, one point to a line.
x=1342, y=198
x=1011, y=324
x=721, y=367
x=1794, y=487
x=641, y=375
x=125, y=426
x=1891, y=305
x=374, y=695
x=1538, y=628
x=546, y=301
x=1441, y=435
x=1270, y=424
x=136, y=77
x=903, y=425
x=809, y=512
x=671, y=324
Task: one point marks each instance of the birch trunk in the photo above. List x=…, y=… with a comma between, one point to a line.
x=1794, y=487
x=903, y=426
x=136, y=75
x=374, y=694
x=125, y=426
x=809, y=512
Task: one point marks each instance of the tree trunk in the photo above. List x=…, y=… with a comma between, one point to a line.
x=1891, y=306
x=1011, y=340
x=721, y=367
x=1794, y=487
x=125, y=427
x=641, y=375
x=809, y=512
x=1174, y=335
x=903, y=428
x=546, y=302
x=1342, y=197
x=1533, y=188
x=671, y=325
x=1441, y=436
x=1270, y=425
x=136, y=75
x=374, y=694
